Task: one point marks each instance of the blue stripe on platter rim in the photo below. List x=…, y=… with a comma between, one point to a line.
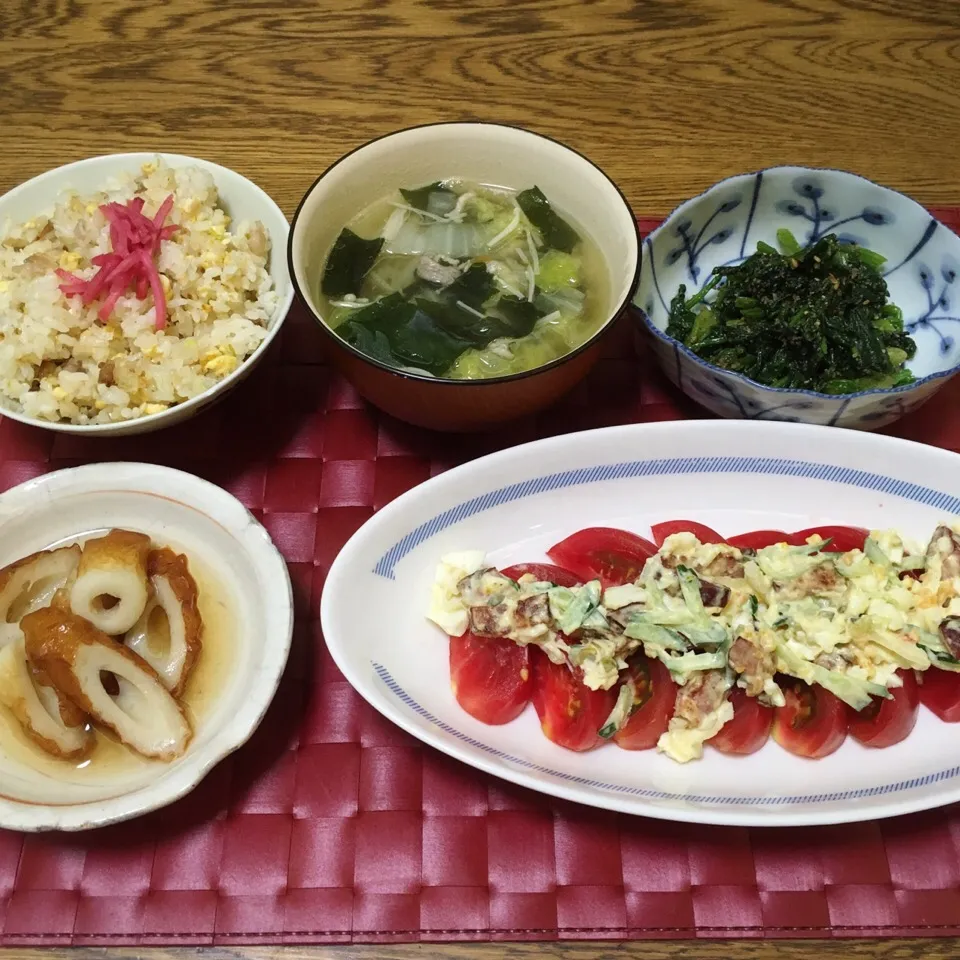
x=831, y=473
x=654, y=795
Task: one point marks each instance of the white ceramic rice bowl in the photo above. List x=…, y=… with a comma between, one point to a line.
x=240, y=197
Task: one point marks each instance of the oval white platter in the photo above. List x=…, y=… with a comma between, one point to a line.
x=224, y=542
x=733, y=476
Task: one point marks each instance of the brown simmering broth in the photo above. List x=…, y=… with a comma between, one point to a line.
x=110, y=757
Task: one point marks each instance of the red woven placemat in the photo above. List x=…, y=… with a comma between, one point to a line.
x=332, y=825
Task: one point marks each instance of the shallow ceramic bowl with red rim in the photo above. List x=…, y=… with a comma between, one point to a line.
x=245, y=599
x=486, y=153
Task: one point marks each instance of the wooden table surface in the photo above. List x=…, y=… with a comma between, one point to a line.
x=668, y=96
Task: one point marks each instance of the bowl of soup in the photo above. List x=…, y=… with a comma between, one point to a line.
x=464, y=274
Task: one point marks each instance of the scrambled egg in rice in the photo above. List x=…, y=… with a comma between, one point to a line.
x=58, y=362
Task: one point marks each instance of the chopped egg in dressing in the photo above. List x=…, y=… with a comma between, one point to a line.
x=719, y=617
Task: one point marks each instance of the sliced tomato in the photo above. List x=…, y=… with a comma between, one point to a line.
x=842, y=538
x=571, y=714
x=603, y=553
x=703, y=533
x=490, y=677
x=652, y=706
x=812, y=723
x=940, y=693
x=749, y=729
x=758, y=539
x=886, y=722
x=545, y=572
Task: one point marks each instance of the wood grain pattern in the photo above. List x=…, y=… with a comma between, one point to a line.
x=667, y=95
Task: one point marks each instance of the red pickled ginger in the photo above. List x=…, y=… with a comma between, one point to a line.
x=135, y=242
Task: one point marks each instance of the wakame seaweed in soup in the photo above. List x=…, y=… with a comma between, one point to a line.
x=465, y=281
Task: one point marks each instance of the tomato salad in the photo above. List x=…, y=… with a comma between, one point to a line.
x=693, y=639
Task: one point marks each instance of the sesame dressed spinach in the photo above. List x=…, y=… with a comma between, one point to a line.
x=811, y=318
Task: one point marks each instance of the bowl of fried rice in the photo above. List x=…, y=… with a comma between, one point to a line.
x=135, y=290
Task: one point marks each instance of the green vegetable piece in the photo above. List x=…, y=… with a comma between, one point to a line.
x=851, y=690
x=882, y=382
x=385, y=314
x=514, y=318
x=473, y=287
x=904, y=341
x=372, y=343
x=348, y=263
x=693, y=622
x=874, y=554
x=890, y=319
x=571, y=607
x=683, y=311
x=620, y=713
x=418, y=196
x=460, y=323
x=399, y=333
x=369, y=329
x=815, y=318
x=690, y=589
x=391, y=273
x=554, y=230
x=788, y=242
x=809, y=549
x=693, y=662
x=426, y=346
x=870, y=257
x=937, y=651
x=497, y=226
x=903, y=651
x=943, y=662
x=705, y=322
x=763, y=247
x=682, y=316
x=558, y=271
x=339, y=315
x=483, y=209
x=569, y=302
x=520, y=316
x=896, y=356
x=654, y=637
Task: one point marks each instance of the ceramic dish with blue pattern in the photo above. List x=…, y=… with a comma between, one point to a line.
x=723, y=226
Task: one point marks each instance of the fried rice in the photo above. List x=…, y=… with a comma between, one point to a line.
x=59, y=362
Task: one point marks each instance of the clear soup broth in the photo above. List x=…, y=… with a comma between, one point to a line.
x=464, y=281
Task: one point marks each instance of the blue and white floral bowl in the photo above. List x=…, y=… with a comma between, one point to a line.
x=722, y=226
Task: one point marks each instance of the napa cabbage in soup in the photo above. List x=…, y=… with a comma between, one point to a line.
x=464, y=281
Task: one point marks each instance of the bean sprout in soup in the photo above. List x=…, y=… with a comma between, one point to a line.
x=464, y=281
